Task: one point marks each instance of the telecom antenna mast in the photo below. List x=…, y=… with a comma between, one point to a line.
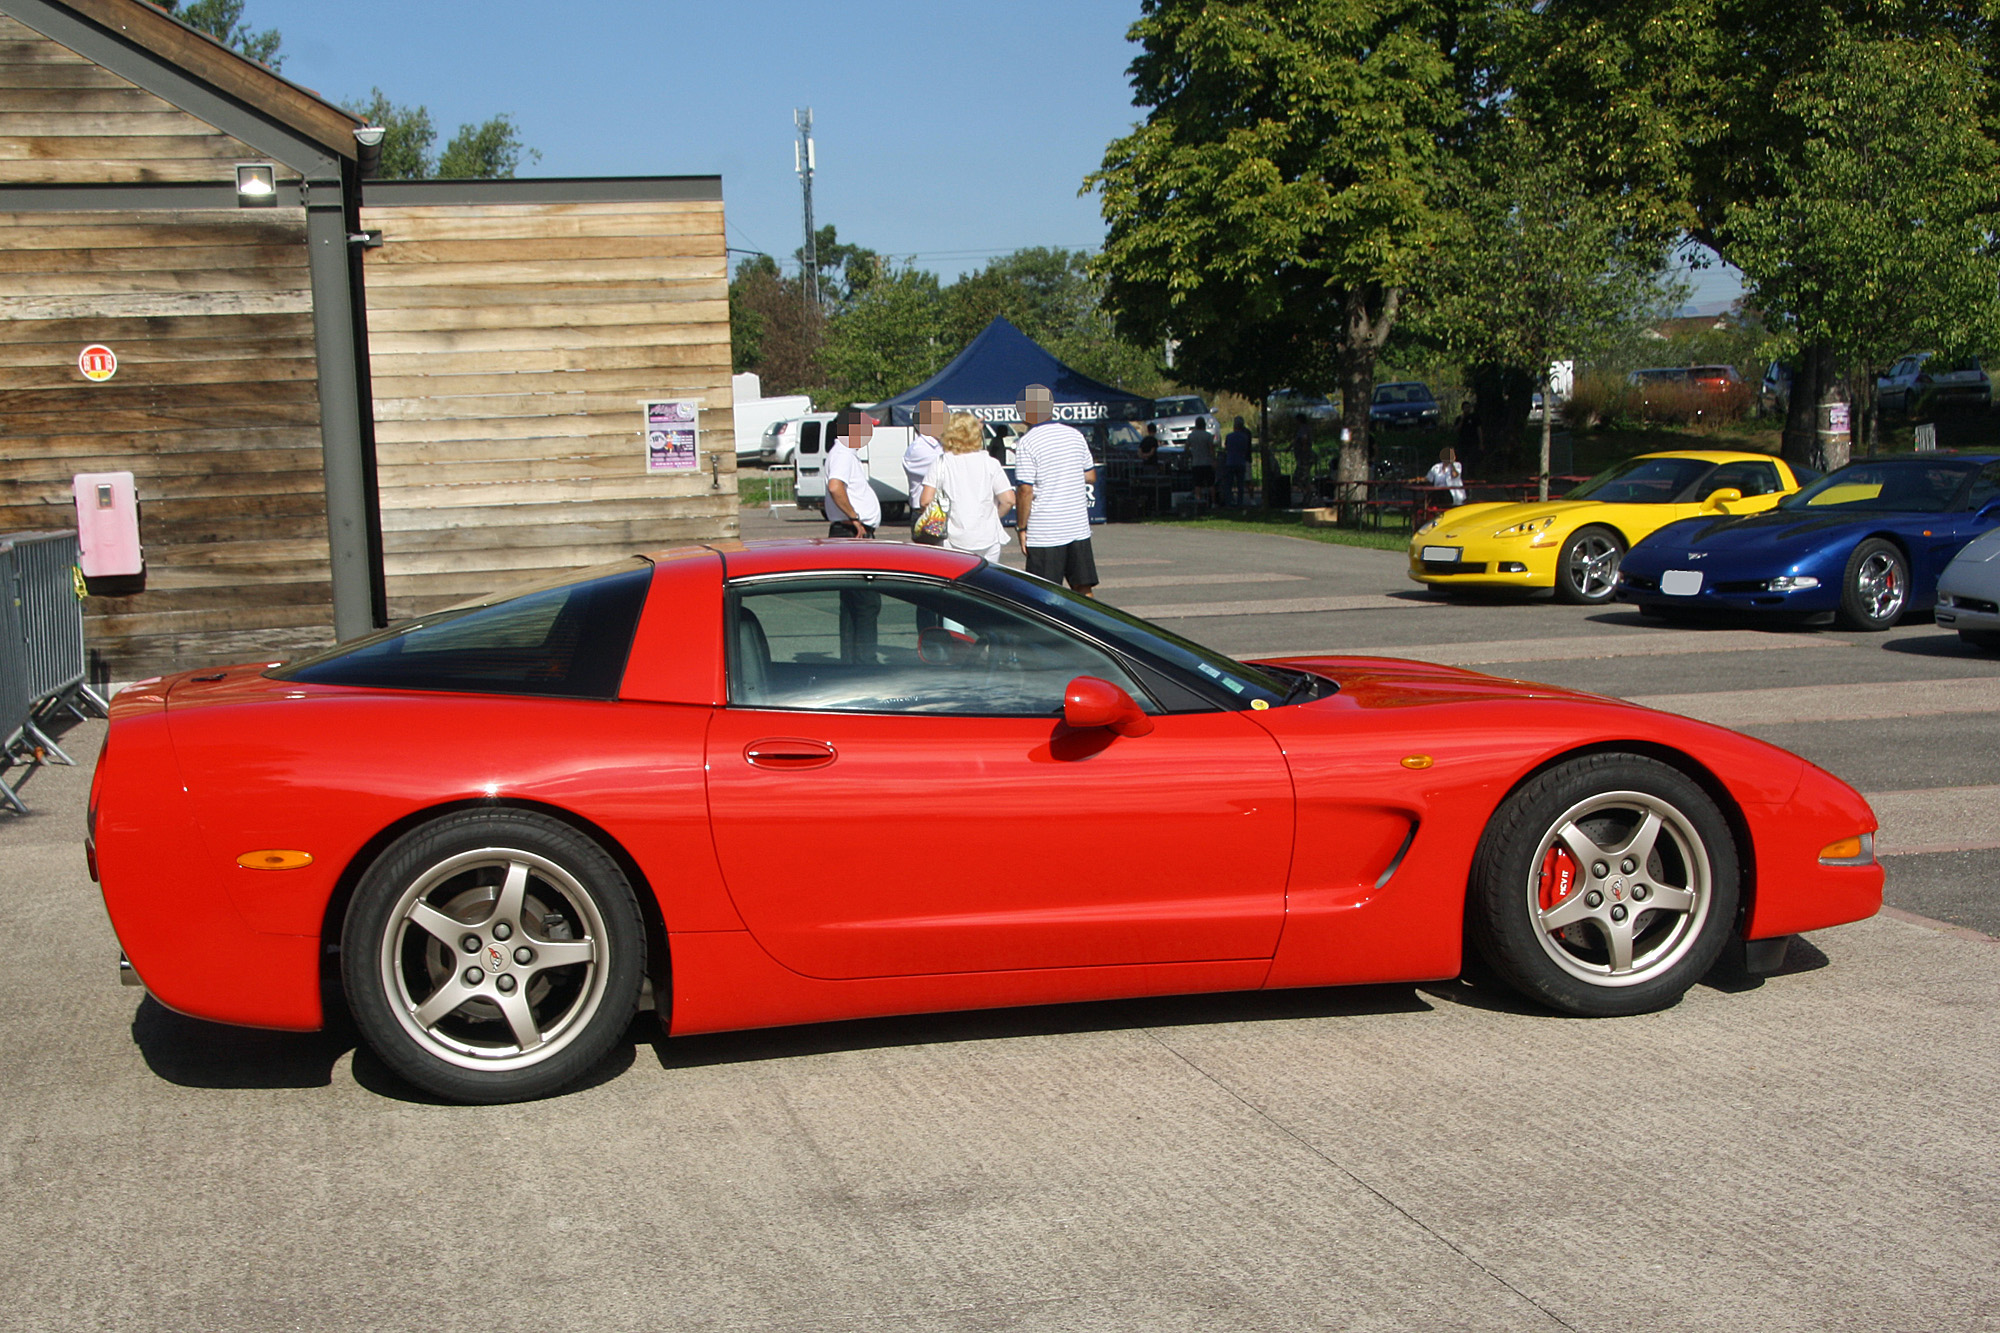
x=803, y=164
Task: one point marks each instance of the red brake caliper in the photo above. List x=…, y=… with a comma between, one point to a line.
x=1558, y=877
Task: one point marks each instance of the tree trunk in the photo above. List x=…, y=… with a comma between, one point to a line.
x=1362, y=343
x=1801, y=437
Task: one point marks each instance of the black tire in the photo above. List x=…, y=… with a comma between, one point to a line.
x=1986, y=639
x=1587, y=566
x=454, y=877
x=1674, y=911
x=1874, y=588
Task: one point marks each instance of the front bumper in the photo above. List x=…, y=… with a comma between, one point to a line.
x=1486, y=564
x=1963, y=611
x=1719, y=595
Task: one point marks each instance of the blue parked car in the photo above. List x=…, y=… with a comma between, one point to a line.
x=1404, y=403
x=1865, y=543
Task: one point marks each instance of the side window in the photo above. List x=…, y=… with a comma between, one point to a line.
x=1985, y=487
x=885, y=645
x=809, y=437
x=1749, y=478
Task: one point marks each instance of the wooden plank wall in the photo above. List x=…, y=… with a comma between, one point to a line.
x=67, y=120
x=215, y=404
x=510, y=345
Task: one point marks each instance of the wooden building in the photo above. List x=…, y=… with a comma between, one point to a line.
x=509, y=329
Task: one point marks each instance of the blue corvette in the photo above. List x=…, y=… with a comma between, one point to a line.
x=1866, y=543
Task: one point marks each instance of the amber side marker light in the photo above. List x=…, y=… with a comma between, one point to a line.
x=1856, y=851
x=1417, y=761
x=274, y=860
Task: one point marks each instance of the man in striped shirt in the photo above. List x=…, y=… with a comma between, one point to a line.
x=1052, y=471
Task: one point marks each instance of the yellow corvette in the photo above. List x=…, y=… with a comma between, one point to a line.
x=1574, y=544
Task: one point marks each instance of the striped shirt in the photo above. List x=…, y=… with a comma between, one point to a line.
x=1053, y=458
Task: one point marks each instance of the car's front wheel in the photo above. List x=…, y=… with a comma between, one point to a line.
x=1875, y=587
x=1587, y=567
x=1604, y=886
x=493, y=956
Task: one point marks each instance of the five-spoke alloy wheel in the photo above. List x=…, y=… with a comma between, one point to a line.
x=1587, y=566
x=1875, y=588
x=1605, y=885
x=493, y=956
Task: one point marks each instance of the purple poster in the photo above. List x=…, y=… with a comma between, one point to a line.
x=670, y=435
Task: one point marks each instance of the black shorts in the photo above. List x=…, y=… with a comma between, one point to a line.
x=1202, y=474
x=848, y=530
x=1072, y=563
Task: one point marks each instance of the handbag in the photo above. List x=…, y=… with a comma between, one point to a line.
x=928, y=527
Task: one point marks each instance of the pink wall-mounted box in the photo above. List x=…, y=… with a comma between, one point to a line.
x=107, y=524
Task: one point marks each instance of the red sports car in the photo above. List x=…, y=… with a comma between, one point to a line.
x=803, y=781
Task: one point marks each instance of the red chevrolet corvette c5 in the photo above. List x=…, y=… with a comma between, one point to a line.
x=791, y=782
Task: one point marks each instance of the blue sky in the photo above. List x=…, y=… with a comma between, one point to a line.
x=950, y=132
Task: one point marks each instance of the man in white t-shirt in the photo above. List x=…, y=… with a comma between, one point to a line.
x=1053, y=471
x=926, y=444
x=852, y=507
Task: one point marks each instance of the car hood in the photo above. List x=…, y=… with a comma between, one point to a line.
x=1776, y=531
x=1393, y=682
x=1486, y=519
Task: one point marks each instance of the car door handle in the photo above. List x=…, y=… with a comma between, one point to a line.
x=788, y=753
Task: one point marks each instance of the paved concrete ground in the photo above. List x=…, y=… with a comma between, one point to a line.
x=1821, y=1151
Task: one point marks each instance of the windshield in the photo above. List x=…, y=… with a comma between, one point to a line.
x=1907, y=486
x=1245, y=685
x=1178, y=407
x=1643, y=481
x=1402, y=393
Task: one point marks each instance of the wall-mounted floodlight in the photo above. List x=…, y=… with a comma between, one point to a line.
x=369, y=140
x=256, y=185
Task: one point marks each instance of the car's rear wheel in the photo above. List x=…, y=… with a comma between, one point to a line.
x=1875, y=587
x=1982, y=638
x=493, y=956
x=1587, y=567
x=1604, y=886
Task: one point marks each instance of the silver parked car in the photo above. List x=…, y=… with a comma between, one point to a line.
x=1968, y=596
x=1923, y=379
x=1173, y=418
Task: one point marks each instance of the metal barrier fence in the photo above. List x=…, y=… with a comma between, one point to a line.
x=42, y=662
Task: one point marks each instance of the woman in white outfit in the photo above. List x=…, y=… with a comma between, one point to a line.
x=975, y=490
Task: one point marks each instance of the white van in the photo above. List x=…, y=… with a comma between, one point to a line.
x=883, y=454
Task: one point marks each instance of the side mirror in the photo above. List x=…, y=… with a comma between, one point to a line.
x=1093, y=702
x=1716, y=499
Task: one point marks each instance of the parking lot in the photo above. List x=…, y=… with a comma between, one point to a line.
x=1817, y=1150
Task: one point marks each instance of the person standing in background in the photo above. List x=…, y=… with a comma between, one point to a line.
x=1236, y=465
x=1053, y=471
x=924, y=448
x=1201, y=462
x=1447, y=473
x=852, y=507
x=976, y=492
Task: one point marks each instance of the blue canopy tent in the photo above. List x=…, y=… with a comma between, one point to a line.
x=986, y=380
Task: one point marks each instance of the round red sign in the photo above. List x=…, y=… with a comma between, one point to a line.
x=97, y=362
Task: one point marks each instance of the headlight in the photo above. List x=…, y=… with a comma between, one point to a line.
x=1426, y=527
x=1791, y=582
x=1856, y=851
x=1527, y=526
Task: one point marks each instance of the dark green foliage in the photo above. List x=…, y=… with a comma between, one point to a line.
x=223, y=20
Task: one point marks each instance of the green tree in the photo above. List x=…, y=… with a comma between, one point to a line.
x=773, y=329
x=1541, y=268
x=1878, y=234
x=491, y=150
x=1286, y=189
x=223, y=20
x=886, y=339
x=1745, y=123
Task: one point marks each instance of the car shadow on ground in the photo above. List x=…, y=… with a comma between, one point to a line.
x=1709, y=621
x=1945, y=644
x=1801, y=955
x=724, y=1048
